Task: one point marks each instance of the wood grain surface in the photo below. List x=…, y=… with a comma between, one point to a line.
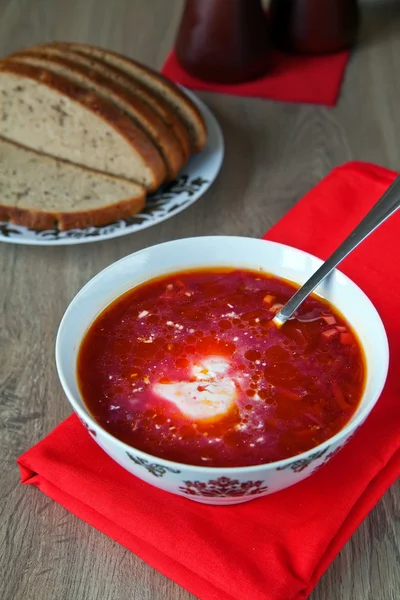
x=275, y=152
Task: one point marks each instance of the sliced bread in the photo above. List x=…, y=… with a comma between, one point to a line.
x=140, y=113
x=134, y=87
x=158, y=84
x=42, y=192
x=49, y=113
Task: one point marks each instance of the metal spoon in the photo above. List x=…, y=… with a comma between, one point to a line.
x=382, y=210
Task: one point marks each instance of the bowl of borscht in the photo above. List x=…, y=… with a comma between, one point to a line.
x=170, y=359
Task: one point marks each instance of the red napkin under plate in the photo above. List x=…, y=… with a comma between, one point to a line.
x=293, y=78
x=276, y=547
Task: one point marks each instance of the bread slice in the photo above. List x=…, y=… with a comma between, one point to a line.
x=169, y=117
x=158, y=84
x=51, y=114
x=143, y=116
x=42, y=192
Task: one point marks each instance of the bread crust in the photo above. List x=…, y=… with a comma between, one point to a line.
x=194, y=121
x=41, y=220
x=105, y=110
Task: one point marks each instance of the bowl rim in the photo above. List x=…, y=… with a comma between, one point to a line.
x=86, y=416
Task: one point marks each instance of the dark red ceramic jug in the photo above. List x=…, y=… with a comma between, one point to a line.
x=224, y=41
x=314, y=26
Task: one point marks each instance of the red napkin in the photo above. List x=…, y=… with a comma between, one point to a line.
x=312, y=79
x=276, y=547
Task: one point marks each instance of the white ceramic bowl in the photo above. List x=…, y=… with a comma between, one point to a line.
x=219, y=486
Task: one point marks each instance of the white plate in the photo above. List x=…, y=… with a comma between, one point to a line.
x=169, y=200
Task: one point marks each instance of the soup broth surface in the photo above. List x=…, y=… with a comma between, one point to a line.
x=189, y=367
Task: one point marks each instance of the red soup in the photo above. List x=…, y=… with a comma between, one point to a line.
x=188, y=367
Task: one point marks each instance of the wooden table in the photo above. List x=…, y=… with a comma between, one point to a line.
x=274, y=154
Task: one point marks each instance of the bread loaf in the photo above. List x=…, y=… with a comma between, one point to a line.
x=42, y=192
x=49, y=113
x=143, y=116
x=133, y=86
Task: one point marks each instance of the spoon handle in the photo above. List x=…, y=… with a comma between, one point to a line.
x=381, y=211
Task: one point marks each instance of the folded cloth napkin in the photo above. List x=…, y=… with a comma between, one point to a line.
x=293, y=78
x=276, y=547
